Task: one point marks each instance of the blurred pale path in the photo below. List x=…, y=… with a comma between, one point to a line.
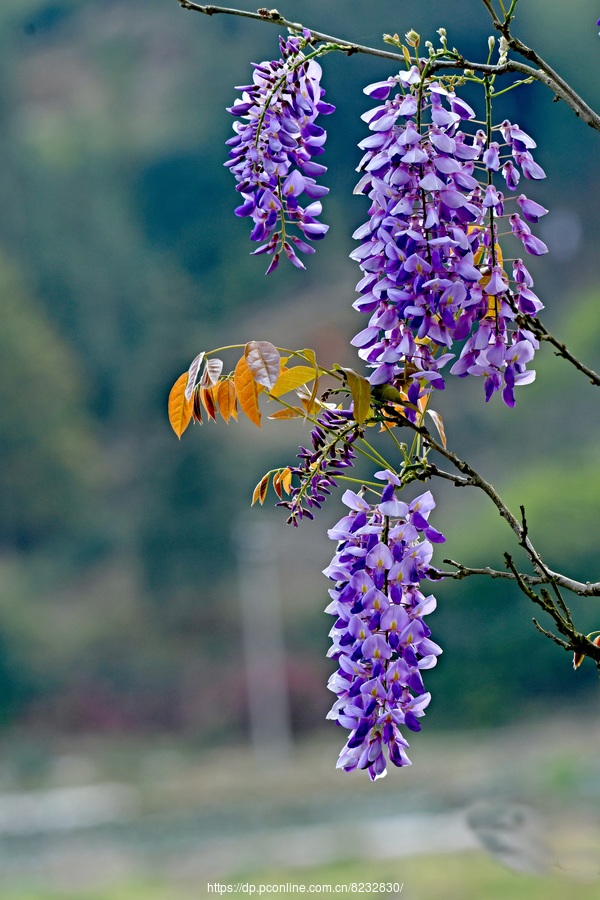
x=518, y=803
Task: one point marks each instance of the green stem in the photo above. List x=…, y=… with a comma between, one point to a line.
x=378, y=455
x=490, y=177
x=400, y=446
x=513, y=85
x=361, y=481
x=320, y=51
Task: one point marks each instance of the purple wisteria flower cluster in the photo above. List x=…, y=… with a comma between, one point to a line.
x=332, y=439
x=379, y=639
x=271, y=156
x=430, y=253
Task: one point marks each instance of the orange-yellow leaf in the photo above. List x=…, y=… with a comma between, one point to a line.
x=310, y=403
x=180, y=408
x=285, y=479
x=264, y=362
x=493, y=303
x=313, y=395
x=247, y=391
x=260, y=491
x=290, y=379
x=287, y=413
x=312, y=358
x=226, y=399
x=282, y=481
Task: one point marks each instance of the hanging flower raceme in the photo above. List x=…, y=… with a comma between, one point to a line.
x=271, y=156
x=379, y=639
x=430, y=253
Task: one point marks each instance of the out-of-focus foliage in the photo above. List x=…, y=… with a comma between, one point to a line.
x=121, y=259
x=48, y=456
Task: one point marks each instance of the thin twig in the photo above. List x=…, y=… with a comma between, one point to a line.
x=266, y=15
x=542, y=333
x=576, y=642
x=474, y=479
x=543, y=73
x=549, y=634
x=463, y=571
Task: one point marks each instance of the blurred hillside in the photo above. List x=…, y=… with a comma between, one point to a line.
x=120, y=259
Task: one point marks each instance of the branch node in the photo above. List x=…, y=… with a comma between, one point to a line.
x=273, y=14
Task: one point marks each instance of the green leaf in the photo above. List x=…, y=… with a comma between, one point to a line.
x=311, y=356
x=361, y=394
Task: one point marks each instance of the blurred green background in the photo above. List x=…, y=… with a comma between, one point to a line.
x=121, y=635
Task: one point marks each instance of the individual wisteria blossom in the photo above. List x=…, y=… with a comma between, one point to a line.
x=332, y=439
x=379, y=639
x=433, y=268
x=271, y=156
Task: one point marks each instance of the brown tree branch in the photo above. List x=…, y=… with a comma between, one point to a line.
x=463, y=571
x=543, y=73
x=471, y=478
x=273, y=16
x=576, y=642
x=542, y=333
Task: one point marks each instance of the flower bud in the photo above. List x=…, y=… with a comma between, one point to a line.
x=503, y=51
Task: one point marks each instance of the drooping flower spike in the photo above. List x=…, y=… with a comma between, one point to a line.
x=271, y=156
x=430, y=253
x=332, y=438
x=379, y=639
